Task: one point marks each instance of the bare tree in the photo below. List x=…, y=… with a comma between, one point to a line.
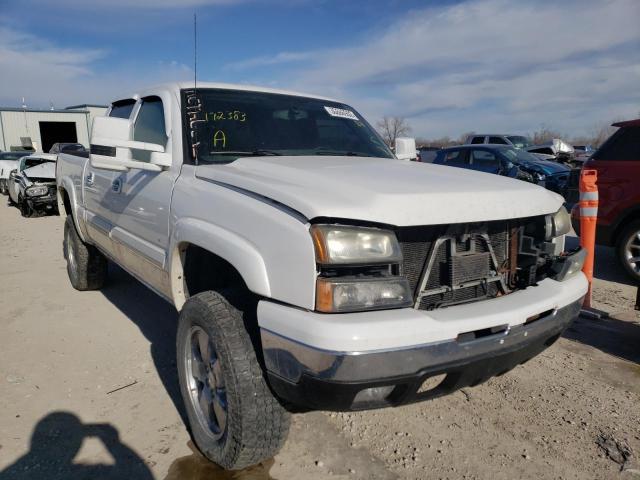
x=599, y=133
x=544, y=135
x=393, y=127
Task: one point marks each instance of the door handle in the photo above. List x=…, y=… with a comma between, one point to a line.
x=90, y=178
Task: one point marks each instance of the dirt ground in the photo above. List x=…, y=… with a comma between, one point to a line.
x=88, y=390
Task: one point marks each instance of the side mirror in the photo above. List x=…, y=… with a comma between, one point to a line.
x=111, y=147
x=405, y=148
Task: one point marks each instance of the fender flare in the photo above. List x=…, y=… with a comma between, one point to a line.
x=67, y=185
x=238, y=251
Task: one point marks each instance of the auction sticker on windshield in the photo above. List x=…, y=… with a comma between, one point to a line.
x=341, y=112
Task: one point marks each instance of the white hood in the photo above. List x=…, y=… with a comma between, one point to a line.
x=389, y=191
x=43, y=170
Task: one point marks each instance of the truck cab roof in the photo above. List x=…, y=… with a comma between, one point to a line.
x=176, y=87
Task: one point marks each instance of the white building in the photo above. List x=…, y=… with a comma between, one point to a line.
x=39, y=129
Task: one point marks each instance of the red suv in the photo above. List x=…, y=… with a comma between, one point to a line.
x=618, y=164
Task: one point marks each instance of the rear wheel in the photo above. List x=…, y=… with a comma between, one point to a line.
x=86, y=266
x=235, y=419
x=628, y=249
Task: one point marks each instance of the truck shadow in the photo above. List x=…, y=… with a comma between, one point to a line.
x=55, y=442
x=156, y=319
x=616, y=337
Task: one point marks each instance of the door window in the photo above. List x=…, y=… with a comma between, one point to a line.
x=623, y=145
x=456, y=158
x=149, y=127
x=497, y=140
x=476, y=140
x=485, y=161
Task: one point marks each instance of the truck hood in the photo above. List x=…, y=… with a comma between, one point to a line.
x=45, y=171
x=389, y=191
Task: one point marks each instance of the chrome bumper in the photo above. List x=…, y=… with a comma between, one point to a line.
x=290, y=360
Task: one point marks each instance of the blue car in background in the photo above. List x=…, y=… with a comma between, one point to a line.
x=507, y=161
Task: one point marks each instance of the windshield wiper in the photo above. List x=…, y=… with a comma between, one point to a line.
x=335, y=152
x=254, y=153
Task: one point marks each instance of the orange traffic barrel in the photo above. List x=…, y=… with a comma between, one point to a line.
x=588, y=218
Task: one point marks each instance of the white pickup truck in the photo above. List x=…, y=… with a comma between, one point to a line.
x=311, y=268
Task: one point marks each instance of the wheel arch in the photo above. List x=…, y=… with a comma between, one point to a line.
x=628, y=216
x=68, y=201
x=214, y=244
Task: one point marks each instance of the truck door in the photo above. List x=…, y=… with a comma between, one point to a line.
x=140, y=200
x=97, y=184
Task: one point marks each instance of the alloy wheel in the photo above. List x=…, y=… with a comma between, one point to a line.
x=206, y=383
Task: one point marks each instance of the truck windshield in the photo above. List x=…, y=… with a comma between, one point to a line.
x=238, y=123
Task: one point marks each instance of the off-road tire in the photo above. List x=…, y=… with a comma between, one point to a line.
x=257, y=424
x=621, y=248
x=86, y=266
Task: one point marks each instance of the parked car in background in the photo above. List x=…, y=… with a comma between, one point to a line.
x=583, y=152
x=507, y=161
x=517, y=141
x=67, y=147
x=8, y=162
x=617, y=162
x=32, y=186
x=427, y=154
x=556, y=150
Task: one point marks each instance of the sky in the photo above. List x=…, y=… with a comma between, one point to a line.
x=449, y=67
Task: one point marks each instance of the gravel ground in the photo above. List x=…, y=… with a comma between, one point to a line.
x=65, y=356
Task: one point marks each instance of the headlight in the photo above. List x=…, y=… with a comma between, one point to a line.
x=344, y=245
x=335, y=295
x=567, y=265
x=557, y=224
x=37, y=191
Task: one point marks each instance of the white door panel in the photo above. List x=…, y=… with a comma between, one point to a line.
x=97, y=185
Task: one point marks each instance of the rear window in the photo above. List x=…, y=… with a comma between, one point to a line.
x=623, y=145
x=122, y=108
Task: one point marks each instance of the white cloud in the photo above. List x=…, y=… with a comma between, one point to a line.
x=489, y=64
x=270, y=60
x=41, y=72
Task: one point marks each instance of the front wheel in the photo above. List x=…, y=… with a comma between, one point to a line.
x=235, y=419
x=25, y=210
x=628, y=250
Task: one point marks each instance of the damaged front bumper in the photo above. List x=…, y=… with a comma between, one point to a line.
x=311, y=378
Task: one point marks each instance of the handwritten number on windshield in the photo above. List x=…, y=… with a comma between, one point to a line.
x=235, y=115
